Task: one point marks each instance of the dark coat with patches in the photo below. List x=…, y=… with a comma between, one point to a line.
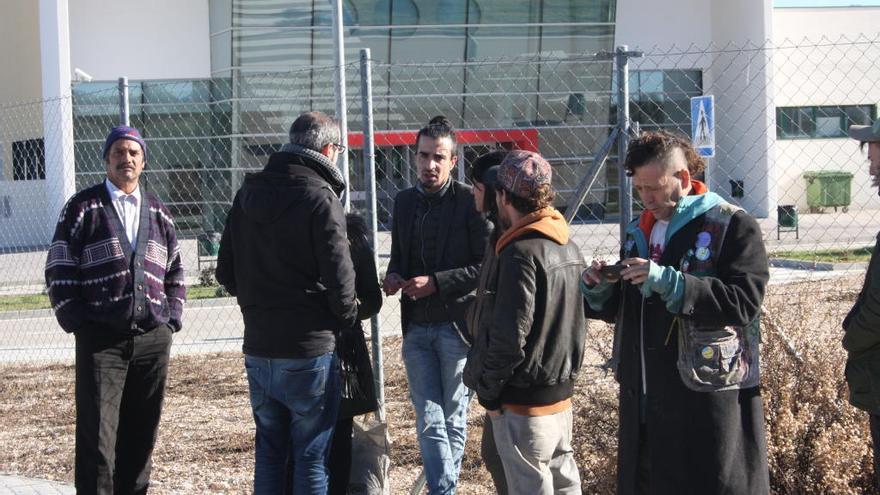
x=697, y=442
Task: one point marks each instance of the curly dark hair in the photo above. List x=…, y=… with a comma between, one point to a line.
x=542, y=198
x=654, y=145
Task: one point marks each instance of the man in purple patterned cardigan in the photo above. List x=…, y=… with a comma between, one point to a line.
x=116, y=282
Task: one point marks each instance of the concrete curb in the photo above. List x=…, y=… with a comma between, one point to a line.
x=820, y=266
x=45, y=313
x=10, y=484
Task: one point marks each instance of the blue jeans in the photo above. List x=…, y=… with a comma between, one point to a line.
x=435, y=355
x=294, y=402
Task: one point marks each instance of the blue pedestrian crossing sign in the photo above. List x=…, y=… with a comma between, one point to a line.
x=703, y=124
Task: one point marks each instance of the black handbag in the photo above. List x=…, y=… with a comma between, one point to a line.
x=357, y=389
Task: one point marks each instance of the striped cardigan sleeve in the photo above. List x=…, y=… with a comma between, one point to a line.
x=62, y=268
x=175, y=289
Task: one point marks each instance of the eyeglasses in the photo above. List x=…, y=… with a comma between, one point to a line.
x=338, y=147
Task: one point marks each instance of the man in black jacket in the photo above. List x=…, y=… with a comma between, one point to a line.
x=861, y=339
x=284, y=255
x=529, y=334
x=437, y=242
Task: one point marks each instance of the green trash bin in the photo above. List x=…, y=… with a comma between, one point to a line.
x=787, y=220
x=828, y=189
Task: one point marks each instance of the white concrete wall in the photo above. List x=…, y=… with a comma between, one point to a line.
x=19, y=52
x=159, y=39
x=823, y=58
x=741, y=77
x=832, y=23
x=19, y=78
x=23, y=215
x=698, y=34
x=684, y=22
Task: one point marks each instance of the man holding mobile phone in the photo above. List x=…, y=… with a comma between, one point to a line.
x=686, y=307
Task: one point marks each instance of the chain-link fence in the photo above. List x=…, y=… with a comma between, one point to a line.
x=780, y=118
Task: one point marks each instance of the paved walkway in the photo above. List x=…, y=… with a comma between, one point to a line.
x=14, y=485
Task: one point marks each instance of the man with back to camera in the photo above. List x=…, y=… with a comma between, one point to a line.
x=285, y=256
x=116, y=282
x=686, y=308
x=861, y=337
x=437, y=242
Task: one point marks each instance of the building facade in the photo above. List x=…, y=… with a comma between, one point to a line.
x=215, y=86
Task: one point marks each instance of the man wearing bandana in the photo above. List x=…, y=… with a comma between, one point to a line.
x=686, y=309
x=861, y=339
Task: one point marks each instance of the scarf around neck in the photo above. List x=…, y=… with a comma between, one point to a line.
x=326, y=168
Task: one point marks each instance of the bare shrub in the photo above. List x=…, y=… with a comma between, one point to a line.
x=817, y=442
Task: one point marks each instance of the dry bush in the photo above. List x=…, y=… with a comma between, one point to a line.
x=817, y=443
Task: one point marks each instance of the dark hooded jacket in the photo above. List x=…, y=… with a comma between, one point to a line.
x=862, y=341
x=285, y=256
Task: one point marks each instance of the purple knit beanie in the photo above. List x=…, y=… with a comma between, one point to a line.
x=124, y=132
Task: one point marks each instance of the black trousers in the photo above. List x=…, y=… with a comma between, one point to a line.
x=643, y=471
x=339, y=463
x=489, y=452
x=120, y=384
x=874, y=421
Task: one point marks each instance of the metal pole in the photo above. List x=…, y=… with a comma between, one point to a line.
x=235, y=144
x=370, y=170
x=123, y=102
x=625, y=196
x=590, y=177
x=341, y=102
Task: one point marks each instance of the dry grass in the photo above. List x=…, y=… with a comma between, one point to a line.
x=817, y=442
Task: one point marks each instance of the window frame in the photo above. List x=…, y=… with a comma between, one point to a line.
x=814, y=113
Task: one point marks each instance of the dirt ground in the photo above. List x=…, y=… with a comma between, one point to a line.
x=817, y=442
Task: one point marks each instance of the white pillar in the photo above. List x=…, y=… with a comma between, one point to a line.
x=57, y=106
x=744, y=112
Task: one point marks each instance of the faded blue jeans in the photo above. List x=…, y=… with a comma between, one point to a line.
x=294, y=402
x=435, y=355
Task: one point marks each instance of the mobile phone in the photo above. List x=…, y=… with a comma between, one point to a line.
x=612, y=271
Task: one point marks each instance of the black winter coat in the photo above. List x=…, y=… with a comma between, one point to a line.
x=698, y=442
x=459, y=251
x=285, y=256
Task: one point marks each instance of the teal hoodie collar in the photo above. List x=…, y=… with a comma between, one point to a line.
x=687, y=209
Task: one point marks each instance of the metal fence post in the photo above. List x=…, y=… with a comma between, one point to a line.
x=370, y=174
x=341, y=99
x=622, y=57
x=625, y=184
x=123, y=102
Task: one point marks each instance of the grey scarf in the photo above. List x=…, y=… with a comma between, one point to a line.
x=327, y=170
